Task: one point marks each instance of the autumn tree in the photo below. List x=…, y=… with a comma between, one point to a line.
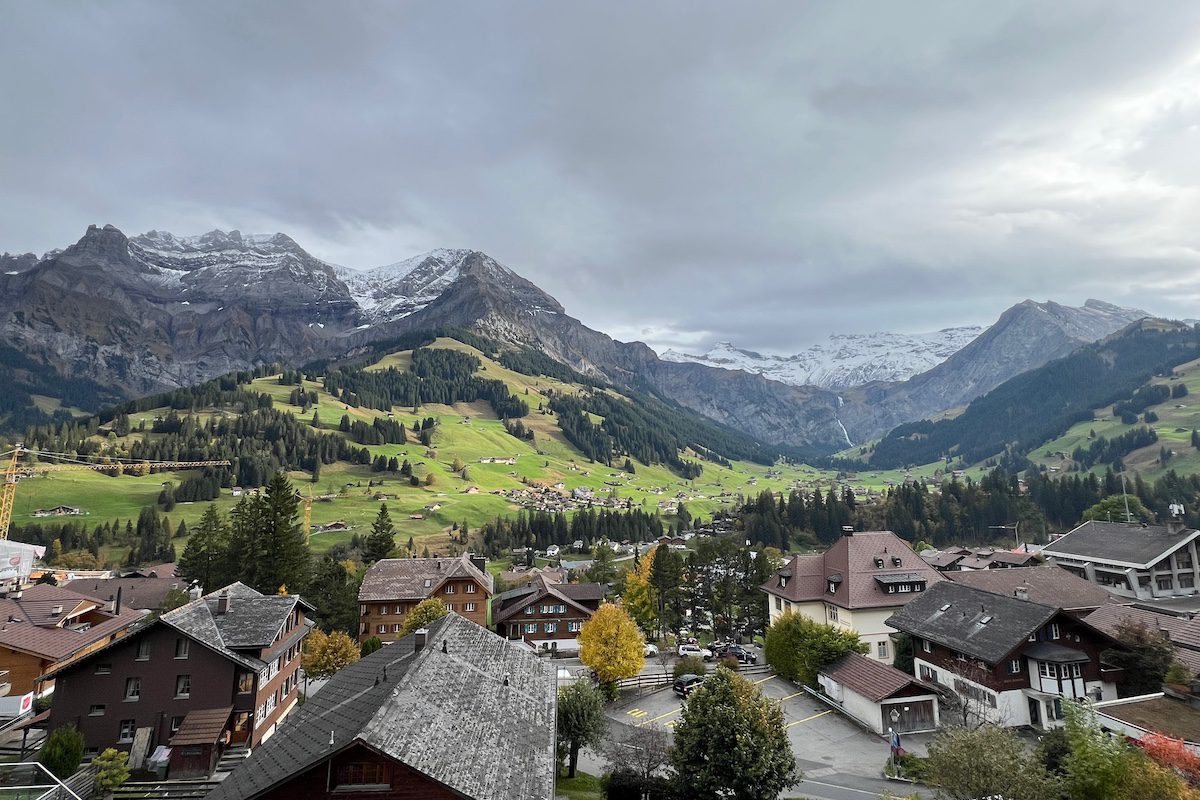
x=581, y=721
x=426, y=613
x=382, y=538
x=970, y=763
x=799, y=647
x=324, y=654
x=611, y=645
x=639, y=598
x=731, y=742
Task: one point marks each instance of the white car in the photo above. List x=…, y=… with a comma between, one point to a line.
x=649, y=650
x=694, y=650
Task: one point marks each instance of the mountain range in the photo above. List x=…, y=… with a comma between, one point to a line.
x=157, y=311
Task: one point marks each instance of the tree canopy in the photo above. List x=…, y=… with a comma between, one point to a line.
x=326, y=654
x=610, y=644
x=581, y=721
x=799, y=647
x=426, y=612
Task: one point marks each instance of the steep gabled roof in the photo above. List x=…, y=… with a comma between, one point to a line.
x=980, y=624
x=511, y=603
x=1052, y=586
x=478, y=718
x=1118, y=543
x=406, y=578
x=851, y=565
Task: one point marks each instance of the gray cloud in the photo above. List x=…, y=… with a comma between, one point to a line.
x=675, y=172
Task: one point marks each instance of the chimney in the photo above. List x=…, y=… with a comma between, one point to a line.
x=439, y=566
x=419, y=639
x=847, y=530
x=117, y=603
x=56, y=611
x=223, y=603
x=1021, y=593
x=480, y=563
x=506, y=679
x=444, y=646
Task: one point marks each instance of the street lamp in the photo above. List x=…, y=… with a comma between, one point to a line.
x=1016, y=527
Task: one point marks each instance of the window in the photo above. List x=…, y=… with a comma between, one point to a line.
x=1183, y=560
x=143, y=650
x=428, y=582
x=551, y=627
x=183, y=686
x=399, y=609
x=127, y=729
x=574, y=627
x=96, y=710
x=470, y=588
x=531, y=627
x=1164, y=582
x=906, y=587
x=133, y=689
x=832, y=612
x=362, y=610
x=449, y=588
x=927, y=645
x=1076, y=672
x=176, y=722
x=1014, y=666
x=883, y=650
x=1053, y=629
x=1047, y=670
x=365, y=774
x=528, y=609
x=778, y=604
x=449, y=606
x=381, y=629
x=468, y=607
x=181, y=647
x=397, y=627
x=245, y=682
x=832, y=587
x=103, y=669
x=383, y=610
x=928, y=673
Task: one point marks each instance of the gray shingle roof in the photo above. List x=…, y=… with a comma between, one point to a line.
x=953, y=615
x=1052, y=586
x=406, y=578
x=446, y=715
x=1117, y=542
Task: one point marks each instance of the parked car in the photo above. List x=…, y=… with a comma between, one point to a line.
x=649, y=650
x=684, y=684
x=694, y=650
x=742, y=654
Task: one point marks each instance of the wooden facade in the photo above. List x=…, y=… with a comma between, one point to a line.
x=385, y=618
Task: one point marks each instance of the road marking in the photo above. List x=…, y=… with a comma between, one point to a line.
x=672, y=724
x=637, y=712
x=841, y=788
x=790, y=696
x=806, y=719
x=764, y=680
x=660, y=716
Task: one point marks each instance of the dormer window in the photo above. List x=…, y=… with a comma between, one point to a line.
x=878, y=563
x=832, y=587
x=896, y=561
x=782, y=582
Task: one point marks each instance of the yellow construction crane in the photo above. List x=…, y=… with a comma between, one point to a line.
x=65, y=461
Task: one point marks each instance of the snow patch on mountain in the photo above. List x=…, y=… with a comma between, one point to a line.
x=842, y=360
x=397, y=290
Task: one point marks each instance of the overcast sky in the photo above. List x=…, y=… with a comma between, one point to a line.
x=679, y=173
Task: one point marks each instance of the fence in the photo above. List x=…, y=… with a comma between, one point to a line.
x=656, y=678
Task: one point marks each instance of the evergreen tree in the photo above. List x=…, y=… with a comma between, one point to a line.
x=206, y=557
x=382, y=537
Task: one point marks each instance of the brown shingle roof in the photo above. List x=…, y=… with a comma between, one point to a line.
x=28, y=623
x=417, y=578
x=202, y=726
x=871, y=678
x=853, y=560
x=1163, y=715
x=1051, y=586
x=1183, y=633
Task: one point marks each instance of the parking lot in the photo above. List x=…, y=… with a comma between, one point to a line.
x=827, y=746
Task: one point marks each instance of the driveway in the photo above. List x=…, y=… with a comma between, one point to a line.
x=840, y=760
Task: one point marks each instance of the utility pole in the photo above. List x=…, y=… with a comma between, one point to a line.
x=1016, y=527
x=1125, y=495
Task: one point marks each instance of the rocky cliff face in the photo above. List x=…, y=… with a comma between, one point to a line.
x=1025, y=337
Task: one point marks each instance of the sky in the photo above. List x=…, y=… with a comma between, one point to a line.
x=678, y=173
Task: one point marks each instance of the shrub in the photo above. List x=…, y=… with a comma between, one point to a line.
x=622, y=784
x=370, y=645
x=112, y=769
x=63, y=752
x=731, y=662
x=693, y=665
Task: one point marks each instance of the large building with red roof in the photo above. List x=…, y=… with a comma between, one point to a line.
x=860, y=581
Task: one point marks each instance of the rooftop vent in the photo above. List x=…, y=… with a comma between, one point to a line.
x=223, y=603
x=985, y=620
x=419, y=639
x=1021, y=592
x=506, y=679
x=56, y=611
x=847, y=530
x=444, y=650
x=945, y=607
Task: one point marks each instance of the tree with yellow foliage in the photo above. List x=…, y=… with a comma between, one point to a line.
x=611, y=645
x=640, y=599
x=324, y=654
x=427, y=611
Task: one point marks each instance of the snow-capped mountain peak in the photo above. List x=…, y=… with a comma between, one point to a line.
x=397, y=290
x=842, y=360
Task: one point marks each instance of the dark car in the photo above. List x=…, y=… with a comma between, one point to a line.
x=742, y=654
x=684, y=684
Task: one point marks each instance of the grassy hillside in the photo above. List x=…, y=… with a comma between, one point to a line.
x=467, y=432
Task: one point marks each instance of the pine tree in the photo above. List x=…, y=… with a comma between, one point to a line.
x=206, y=557
x=287, y=560
x=382, y=537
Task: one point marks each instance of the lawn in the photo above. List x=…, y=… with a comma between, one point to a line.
x=582, y=787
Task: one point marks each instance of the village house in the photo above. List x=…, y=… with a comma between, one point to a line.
x=449, y=712
x=232, y=655
x=860, y=581
x=45, y=627
x=1182, y=631
x=546, y=615
x=1008, y=661
x=143, y=589
x=879, y=696
x=962, y=559
x=1139, y=561
x=393, y=587
x=58, y=511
